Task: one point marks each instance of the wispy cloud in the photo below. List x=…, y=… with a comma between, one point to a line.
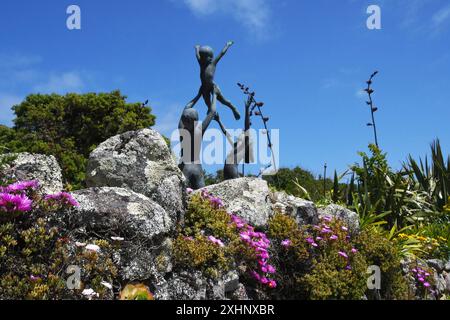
x=254, y=15
x=440, y=18
x=61, y=83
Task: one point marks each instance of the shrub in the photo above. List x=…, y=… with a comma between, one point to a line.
x=34, y=255
x=215, y=241
x=71, y=126
x=379, y=251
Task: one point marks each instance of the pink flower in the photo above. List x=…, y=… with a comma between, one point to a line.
x=327, y=218
x=14, y=203
x=63, y=197
x=354, y=250
x=325, y=230
x=286, y=243
x=334, y=237
x=272, y=284
x=189, y=190
x=319, y=238
x=216, y=241
x=310, y=240
x=20, y=186
x=426, y=285
x=315, y=245
x=244, y=236
x=343, y=254
x=344, y=228
x=421, y=279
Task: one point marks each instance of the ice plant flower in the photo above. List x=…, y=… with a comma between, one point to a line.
x=189, y=190
x=15, y=203
x=286, y=243
x=63, y=198
x=354, y=250
x=216, y=241
x=334, y=237
x=343, y=254
x=20, y=186
x=272, y=284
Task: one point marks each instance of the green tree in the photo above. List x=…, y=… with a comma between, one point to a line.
x=286, y=179
x=71, y=126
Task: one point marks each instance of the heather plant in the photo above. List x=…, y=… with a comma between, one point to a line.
x=34, y=254
x=317, y=262
x=214, y=241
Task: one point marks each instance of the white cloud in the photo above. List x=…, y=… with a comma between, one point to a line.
x=253, y=14
x=61, y=83
x=441, y=17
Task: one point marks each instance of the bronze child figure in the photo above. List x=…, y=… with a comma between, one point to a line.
x=208, y=64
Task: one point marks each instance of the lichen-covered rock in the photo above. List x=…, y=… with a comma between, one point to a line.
x=26, y=166
x=304, y=212
x=349, y=217
x=248, y=198
x=130, y=213
x=142, y=225
x=140, y=161
x=436, y=264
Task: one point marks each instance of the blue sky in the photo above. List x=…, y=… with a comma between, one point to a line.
x=306, y=59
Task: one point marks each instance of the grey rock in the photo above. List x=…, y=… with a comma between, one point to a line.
x=304, y=212
x=124, y=211
x=440, y=283
x=231, y=281
x=447, y=282
x=140, y=161
x=184, y=286
x=447, y=266
x=436, y=264
x=349, y=217
x=26, y=167
x=240, y=293
x=116, y=212
x=248, y=198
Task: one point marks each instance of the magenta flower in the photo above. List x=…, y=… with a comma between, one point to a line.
x=325, y=230
x=344, y=228
x=343, y=254
x=334, y=237
x=20, y=186
x=426, y=285
x=189, y=190
x=319, y=238
x=62, y=197
x=327, y=218
x=272, y=284
x=264, y=280
x=354, y=250
x=15, y=203
x=271, y=269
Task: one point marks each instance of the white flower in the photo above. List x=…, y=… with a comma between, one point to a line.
x=80, y=244
x=106, y=284
x=117, y=238
x=93, y=247
x=89, y=293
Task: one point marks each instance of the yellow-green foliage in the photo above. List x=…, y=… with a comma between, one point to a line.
x=136, y=292
x=447, y=207
x=201, y=216
x=193, y=249
x=381, y=252
x=201, y=254
x=308, y=272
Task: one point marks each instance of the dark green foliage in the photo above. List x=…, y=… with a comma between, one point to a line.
x=71, y=126
x=433, y=178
